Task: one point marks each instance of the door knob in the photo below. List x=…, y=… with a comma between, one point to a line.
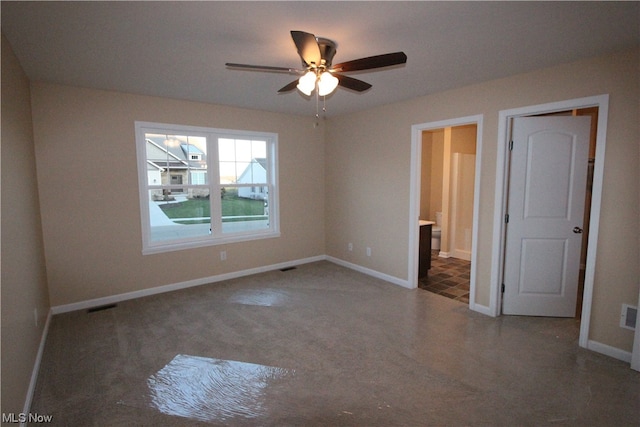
x=577, y=230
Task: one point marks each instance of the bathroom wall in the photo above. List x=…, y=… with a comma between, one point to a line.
x=435, y=179
x=431, y=176
x=463, y=139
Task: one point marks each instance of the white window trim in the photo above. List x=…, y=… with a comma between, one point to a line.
x=149, y=247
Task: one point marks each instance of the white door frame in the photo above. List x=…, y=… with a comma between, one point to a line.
x=635, y=352
x=414, y=205
x=497, y=258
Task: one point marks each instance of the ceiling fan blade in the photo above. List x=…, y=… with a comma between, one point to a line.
x=291, y=86
x=351, y=83
x=263, y=68
x=370, y=62
x=307, y=46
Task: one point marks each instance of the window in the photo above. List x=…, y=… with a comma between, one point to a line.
x=202, y=186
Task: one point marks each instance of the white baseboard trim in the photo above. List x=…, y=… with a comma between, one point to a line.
x=97, y=302
x=112, y=299
x=370, y=272
x=461, y=254
x=36, y=367
x=607, y=350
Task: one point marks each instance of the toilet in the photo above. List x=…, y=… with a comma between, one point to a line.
x=436, y=232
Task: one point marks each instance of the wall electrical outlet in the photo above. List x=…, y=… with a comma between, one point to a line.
x=368, y=251
x=350, y=247
x=223, y=255
x=628, y=316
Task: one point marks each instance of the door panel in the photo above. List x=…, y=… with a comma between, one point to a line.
x=536, y=252
x=547, y=187
x=546, y=170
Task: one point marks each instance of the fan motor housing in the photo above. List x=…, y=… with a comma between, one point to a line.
x=327, y=50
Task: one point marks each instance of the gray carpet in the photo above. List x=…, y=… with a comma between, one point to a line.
x=322, y=345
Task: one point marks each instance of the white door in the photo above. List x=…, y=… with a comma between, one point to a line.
x=547, y=186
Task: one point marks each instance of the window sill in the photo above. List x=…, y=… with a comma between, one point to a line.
x=172, y=247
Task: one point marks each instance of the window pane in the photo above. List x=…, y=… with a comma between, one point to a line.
x=259, y=149
x=242, y=161
x=186, y=215
x=227, y=172
x=171, y=159
x=195, y=155
x=255, y=172
x=165, y=158
x=242, y=170
x=243, y=150
x=226, y=150
x=244, y=210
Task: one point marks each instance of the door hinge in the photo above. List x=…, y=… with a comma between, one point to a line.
x=506, y=218
x=511, y=145
x=502, y=288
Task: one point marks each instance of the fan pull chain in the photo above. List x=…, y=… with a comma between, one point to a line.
x=317, y=123
x=324, y=108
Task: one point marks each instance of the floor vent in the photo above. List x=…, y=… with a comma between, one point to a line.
x=628, y=316
x=101, y=308
x=288, y=268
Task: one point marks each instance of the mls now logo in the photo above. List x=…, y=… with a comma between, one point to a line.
x=12, y=417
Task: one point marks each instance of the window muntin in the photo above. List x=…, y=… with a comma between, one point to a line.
x=243, y=163
x=177, y=200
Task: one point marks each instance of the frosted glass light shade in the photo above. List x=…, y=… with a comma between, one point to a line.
x=307, y=83
x=327, y=83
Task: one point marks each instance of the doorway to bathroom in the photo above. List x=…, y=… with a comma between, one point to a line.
x=446, y=188
x=446, y=198
x=446, y=172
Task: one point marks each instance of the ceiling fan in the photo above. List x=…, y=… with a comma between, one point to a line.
x=318, y=72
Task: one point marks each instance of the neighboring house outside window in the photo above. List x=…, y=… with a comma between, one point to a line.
x=255, y=172
x=181, y=168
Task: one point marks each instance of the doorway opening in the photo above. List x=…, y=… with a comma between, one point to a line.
x=446, y=199
x=445, y=183
x=587, y=106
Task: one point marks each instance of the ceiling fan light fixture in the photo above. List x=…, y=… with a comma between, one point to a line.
x=317, y=71
x=327, y=83
x=307, y=83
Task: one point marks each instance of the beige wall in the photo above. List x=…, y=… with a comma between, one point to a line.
x=24, y=284
x=88, y=195
x=85, y=147
x=368, y=160
x=431, y=174
x=462, y=140
x=437, y=173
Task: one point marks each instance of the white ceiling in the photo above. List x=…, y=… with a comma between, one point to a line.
x=178, y=49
